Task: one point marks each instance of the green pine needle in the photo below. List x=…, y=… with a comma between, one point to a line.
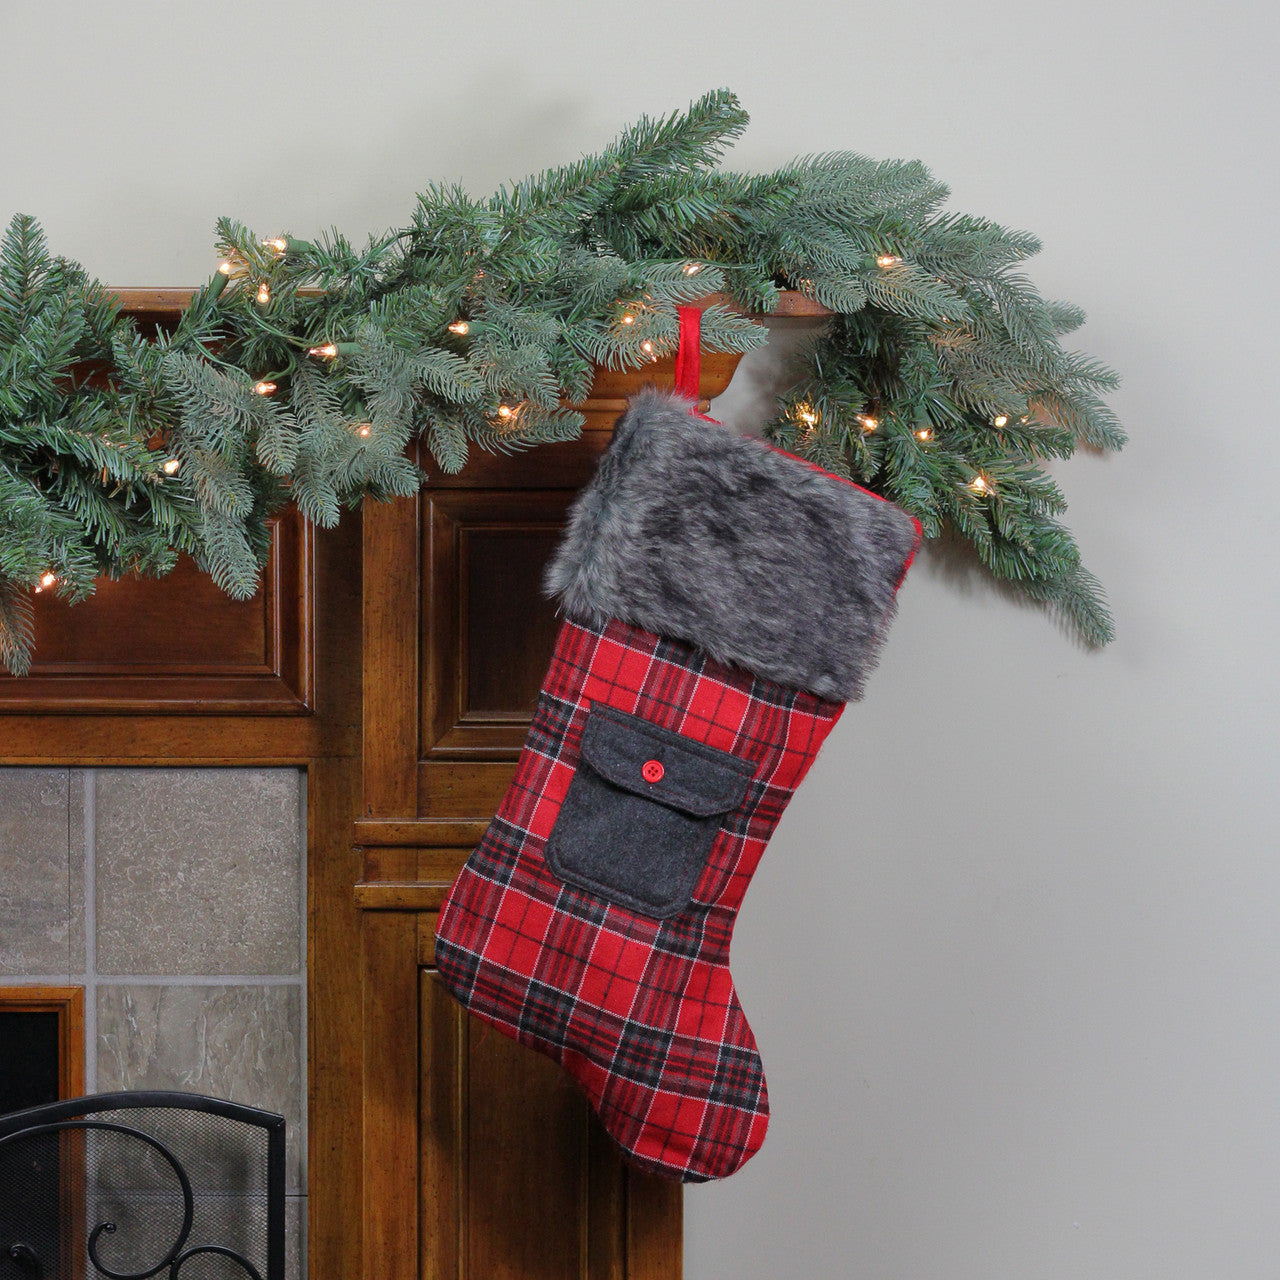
x=482, y=320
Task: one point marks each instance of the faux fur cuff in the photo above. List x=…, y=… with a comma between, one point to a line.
x=692, y=531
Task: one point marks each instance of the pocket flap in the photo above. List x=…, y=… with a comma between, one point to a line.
x=694, y=778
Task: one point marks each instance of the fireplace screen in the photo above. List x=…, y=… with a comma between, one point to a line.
x=131, y=1185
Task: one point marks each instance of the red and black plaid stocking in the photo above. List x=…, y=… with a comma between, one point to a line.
x=723, y=600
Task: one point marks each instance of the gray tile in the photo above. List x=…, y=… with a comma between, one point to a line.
x=238, y=1042
x=295, y=1237
x=34, y=874
x=198, y=871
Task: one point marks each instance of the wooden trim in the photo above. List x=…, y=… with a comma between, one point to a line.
x=399, y=895
x=655, y=1227
x=419, y=833
x=68, y=1004
x=392, y=577
x=335, y=1061
x=442, y=1131
x=389, y=970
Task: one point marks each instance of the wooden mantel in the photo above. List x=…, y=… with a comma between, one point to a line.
x=396, y=659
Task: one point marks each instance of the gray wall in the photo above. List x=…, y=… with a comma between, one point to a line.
x=1012, y=956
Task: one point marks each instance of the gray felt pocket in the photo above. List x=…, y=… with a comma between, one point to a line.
x=641, y=812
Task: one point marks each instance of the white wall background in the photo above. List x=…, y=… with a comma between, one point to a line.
x=1013, y=958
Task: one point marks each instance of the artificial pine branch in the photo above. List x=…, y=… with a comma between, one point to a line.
x=941, y=382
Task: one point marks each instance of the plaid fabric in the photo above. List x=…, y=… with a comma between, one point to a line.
x=641, y=1012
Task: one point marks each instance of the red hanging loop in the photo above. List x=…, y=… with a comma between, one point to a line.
x=689, y=352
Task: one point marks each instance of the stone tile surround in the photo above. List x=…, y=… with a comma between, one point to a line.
x=176, y=897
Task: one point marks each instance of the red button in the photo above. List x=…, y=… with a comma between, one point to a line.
x=652, y=771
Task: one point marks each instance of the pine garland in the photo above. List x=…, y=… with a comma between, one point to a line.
x=303, y=369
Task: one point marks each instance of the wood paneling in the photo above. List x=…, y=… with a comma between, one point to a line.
x=487, y=631
x=177, y=644
x=518, y=1179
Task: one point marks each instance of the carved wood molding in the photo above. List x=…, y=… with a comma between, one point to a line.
x=177, y=645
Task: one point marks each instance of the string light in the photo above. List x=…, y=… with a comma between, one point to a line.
x=460, y=327
x=1001, y=420
x=888, y=260
x=692, y=268
x=924, y=434
x=364, y=428
x=868, y=422
x=46, y=580
x=171, y=465
x=331, y=350
x=647, y=347
x=264, y=293
x=979, y=485
x=806, y=415
x=505, y=411
x=286, y=244
x=628, y=319
x=221, y=276
x=265, y=388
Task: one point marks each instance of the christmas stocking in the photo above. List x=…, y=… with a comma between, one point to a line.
x=722, y=600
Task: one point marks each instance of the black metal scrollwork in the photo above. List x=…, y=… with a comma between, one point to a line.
x=188, y=1204
x=178, y=1252
x=212, y=1248
x=26, y=1257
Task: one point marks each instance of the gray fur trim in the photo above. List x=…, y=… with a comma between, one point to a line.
x=692, y=531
